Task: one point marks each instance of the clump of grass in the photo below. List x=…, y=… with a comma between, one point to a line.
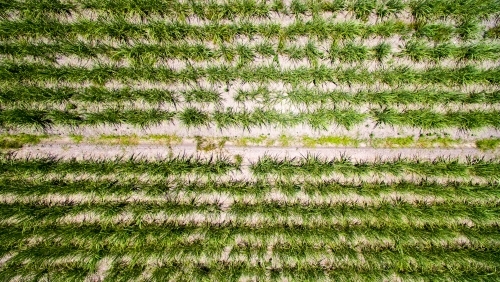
x=192, y=117
x=416, y=50
x=245, y=55
x=443, y=51
x=350, y=52
x=11, y=141
x=382, y=51
x=298, y=7
x=488, y=144
x=493, y=32
x=363, y=8
x=202, y=96
x=285, y=140
x=468, y=29
x=390, y=7
x=315, y=166
x=25, y=118
x=435, y=32
x=313, y=53
x=261, y=94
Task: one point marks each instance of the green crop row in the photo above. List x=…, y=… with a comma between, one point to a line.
x=371, y=195
x=309, y=165
x=258, y=188
x=19, y=94
x=420, y=9
x=37, y=72
x=115, y=239
x=166, y=167
x=310, y=96
x=428, y=119
x=190, y=117
x=384, y=214
x=315, y=166
x=23, y=94
x=17, y=141
x=200, y=264
x=161, y=31
x=349, y=52
x=319, y=119
x=400, y=216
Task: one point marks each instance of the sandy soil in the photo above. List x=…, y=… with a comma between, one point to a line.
x=250, y=154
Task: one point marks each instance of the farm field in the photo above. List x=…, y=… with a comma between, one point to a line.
x=245, y=140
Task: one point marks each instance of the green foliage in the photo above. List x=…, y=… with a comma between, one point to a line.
x=118, y=28
x=314, y=166
x=488, y=144
x=388, y=8
x=25, y=93
x=202, y=96
x=427, y=119
x=363, y=8
x=144, y=63
x=330, y=140
x=175, y=165
x=192, y=117
x=493, y=32
x=435, y=32
x=9, y=141
x=382, y=51
x=350, y=52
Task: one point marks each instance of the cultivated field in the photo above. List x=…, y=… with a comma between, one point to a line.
x=248, y=140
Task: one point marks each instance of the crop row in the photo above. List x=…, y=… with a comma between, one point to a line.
x=348, y=52
x=402, y=217
x=115, y=239
x=38, y=72
x=310, y=96
x=309, y=264
x=241, y=189
x=228, y=202
x=316, y=166
x=174, y=165
x=161, y=31
x=320, y=119
x=309, y=165
x=253, y=9
x=20, y=94
x=70, y=240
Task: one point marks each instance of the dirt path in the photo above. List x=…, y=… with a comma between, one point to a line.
x=250, y=154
